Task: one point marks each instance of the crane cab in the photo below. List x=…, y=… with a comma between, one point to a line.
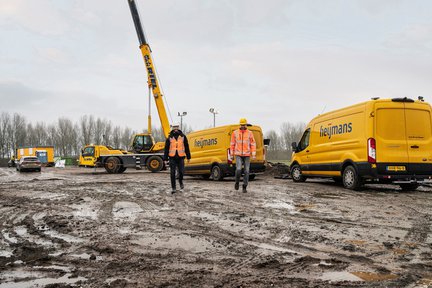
x=145, y=143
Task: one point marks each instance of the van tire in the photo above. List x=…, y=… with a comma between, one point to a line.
x=296, y=174
x=121, y=169
x=216, y=173
x=155, y=164
x=409, y=186
x=350, y=179
x=112, y=164
x=251, y=177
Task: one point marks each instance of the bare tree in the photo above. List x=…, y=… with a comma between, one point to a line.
x=98, y=131
x=51, y=131
x=291, y=133
x=66, y=137
x=4, y=135
x=107, y=130
x=158, y=134
x=17, y=131
x=87, y=126
x=275, y=141
x=116, y=137
x=126, y=138
x=276, y=150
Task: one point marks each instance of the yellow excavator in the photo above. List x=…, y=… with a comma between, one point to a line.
x=144, y=150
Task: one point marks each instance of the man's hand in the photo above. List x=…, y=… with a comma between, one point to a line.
x=229, y=158
x=253, y=157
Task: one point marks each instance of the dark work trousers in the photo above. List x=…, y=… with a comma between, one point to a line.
x=176, y=163
x=245, y=160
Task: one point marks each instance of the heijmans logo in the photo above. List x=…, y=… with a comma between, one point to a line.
x=205, y=142
x=336, y=129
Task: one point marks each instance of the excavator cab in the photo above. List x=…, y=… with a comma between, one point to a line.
x=145, y=143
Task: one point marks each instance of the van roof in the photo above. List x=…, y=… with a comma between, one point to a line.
x=405, y=99
x=221, y=128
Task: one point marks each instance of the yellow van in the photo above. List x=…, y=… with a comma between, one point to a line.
x=210, y=149
x=378, y=141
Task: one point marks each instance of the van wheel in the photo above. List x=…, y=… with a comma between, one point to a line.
x=251, y=177
x=155, y=164
x=296, y=174
x=409, y=186
x=216, y=173
x=350, y=178
x=112, y=165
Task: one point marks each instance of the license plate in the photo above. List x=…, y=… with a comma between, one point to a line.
x=396, y=168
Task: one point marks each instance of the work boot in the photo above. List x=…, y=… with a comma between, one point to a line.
x=236, y=186
x=244, y=189
x=181, y=186
x=173, y=191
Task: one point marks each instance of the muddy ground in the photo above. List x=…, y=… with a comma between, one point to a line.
x=75, y=227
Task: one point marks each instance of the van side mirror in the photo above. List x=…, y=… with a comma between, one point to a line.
x=82, y=151
x=294, y=146
x=266, y=142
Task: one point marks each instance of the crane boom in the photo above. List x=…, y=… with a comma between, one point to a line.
x=151, y=71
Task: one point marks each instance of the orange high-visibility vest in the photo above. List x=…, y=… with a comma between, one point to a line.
x=177, y=145
x=242, y=143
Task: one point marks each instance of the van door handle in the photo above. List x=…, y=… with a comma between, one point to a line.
x=307, y=150
x=415, y=146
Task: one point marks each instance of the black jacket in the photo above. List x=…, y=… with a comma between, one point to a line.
x=175, y=135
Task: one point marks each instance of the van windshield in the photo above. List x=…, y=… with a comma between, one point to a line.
x=304, y=142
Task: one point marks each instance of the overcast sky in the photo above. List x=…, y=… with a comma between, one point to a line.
x=270, y=61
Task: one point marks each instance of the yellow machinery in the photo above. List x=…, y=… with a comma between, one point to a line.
x=144, y=143
x=145, y=151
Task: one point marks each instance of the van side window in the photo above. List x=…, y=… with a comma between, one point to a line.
x=304, y=142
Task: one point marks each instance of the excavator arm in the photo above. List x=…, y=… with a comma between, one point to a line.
x=151, y=71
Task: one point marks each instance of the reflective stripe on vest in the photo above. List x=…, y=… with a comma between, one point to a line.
x=177, y=146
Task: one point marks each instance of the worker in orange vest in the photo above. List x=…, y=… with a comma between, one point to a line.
x=176, y=150
x=243, y=146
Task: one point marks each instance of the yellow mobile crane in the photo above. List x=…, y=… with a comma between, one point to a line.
x=145, y=151
x=153, y=83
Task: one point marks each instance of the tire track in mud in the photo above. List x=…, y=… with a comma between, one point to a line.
x=420, y=227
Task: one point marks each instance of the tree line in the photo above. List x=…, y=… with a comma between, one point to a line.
x=280, y=143
x=66, y=136
x=69, y=137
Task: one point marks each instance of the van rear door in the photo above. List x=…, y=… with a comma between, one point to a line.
x=419, y=134
x=390, y=135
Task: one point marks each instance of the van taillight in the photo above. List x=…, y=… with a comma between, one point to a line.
x=371, y=150
x=228, y=156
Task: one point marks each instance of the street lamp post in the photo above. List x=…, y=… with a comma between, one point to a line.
x=214, y=112
x=181, y=118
